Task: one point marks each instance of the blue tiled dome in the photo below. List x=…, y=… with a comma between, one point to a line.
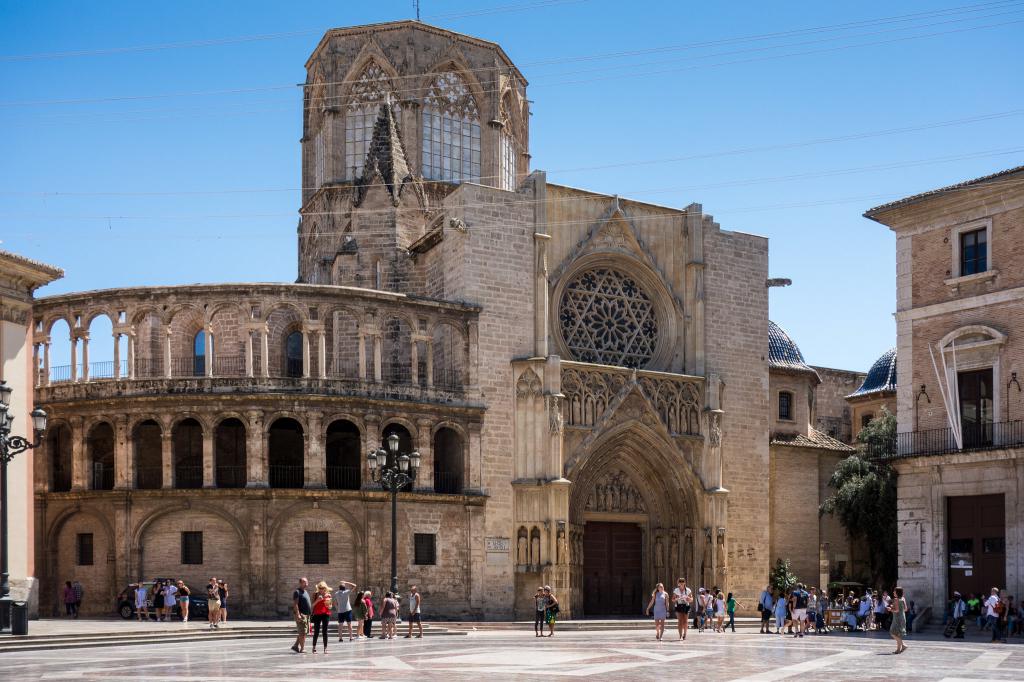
x=783, y=353
x=881, y=376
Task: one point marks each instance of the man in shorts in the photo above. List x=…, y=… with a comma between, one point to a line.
x=213, y=603
x=302, y=609
x=683, y=597
x=344, y=606
x=799, y=599
x=141, y=601
x=415, y=600
x=764, y=605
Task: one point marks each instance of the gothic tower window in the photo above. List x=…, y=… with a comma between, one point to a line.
x=368, y=92
x=507, y=146
x=451, y=131
x=316, y=102
x=606, y=317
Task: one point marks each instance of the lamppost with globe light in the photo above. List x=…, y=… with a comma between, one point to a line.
x=394, y=471
x=9, y=447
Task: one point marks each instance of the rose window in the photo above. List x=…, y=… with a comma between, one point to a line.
x=605, y=317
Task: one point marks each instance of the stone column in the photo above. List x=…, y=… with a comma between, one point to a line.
x=321, y=354
x=371, y=441
x=85, y=356
x=131, y=355
x=474, y=350
x=79, y=461
x=46, y=361
x=209, y=465
x=414, y=359
x=315, y=473
x=74, y=357
x=208, y=349
x=426, y=450
x=248, y=353
x=167, y=458
x=540, y=283
x=255, y=455
x=362, y=356
x=377, y=363
x=124, y=473
x=265, y=351
x=167, y=351
x=305, y=353
x=35, y=365
x=430, y=363
x=473, y=465
x=117, y=355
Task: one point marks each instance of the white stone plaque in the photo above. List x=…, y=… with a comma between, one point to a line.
x=502, y=545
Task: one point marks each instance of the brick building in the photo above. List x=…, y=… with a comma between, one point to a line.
x=960, y=408
x=585, y=376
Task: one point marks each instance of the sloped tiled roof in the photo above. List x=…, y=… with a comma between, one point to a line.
x=814, y=439
x=881, y=377
x=872, y=213
x=783, y=353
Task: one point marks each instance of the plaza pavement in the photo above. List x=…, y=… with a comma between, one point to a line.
x=501, y=654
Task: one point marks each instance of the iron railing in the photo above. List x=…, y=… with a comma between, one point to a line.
x=102, y=476
x=149, y=477
x=229, y=366
x=447, y=482
x=149, y=368
x=188, y=366
x=231, y=476
x=448, y=379
x=976, y=437
x=343, y=367
x=60, y=374
x=61, y=481
x=188, y=476
x=287, y=476
x=396, y=374
x=292, y=367
x=343, y=478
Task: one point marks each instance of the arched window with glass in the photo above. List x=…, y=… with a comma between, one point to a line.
x=507, y=142
x=293, y=354
x=368, y=92
x=199, y=359
x=451, y=131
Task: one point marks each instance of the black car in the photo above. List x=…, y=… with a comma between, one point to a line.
x=126, y=602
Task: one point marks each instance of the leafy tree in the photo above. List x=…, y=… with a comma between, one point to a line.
x=864, y=500
x=782, y=577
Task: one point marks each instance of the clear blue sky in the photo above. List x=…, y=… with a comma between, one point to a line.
x=715, y=90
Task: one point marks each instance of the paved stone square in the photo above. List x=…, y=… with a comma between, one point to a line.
x=519, y=655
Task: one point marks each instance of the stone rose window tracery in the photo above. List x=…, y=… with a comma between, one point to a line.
x=451, y=131
x=606, y=317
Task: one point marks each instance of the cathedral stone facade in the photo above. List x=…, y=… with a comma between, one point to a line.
x=586, y=377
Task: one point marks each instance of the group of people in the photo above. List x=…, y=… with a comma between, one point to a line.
x=71, y=595
x=997, y=613
x=709, y=608
x=313, y=610
x=547, y=608
x=164, y=594
x=872, y=611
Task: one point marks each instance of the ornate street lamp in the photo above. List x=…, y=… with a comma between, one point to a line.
x=9, y=447
x=394, y=471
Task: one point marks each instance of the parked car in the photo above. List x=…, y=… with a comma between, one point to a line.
x=126, y=601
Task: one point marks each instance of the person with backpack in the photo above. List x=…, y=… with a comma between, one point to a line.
x=993, y=608
x=799, y=603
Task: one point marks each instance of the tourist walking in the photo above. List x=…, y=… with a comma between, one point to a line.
x=302, y=609
x=368, y=617
x=343, y=605
x=719, y=612
x=683, y=597
x=359, y=613
x=388, y=615
x=141, y=601
x=183, y=600
x=551, y=610
x=992, y=608
x=415, y=602
x=170, y=599
x=780, y=612
x=68, y=597
x=213, y=603
x=764, y=606
x=659, y=606
x=799, y=603
x=79, y=595
x=709, y=608
x=730, y=609
x=321, y=613
x=222, y=590
x=540, y=604
x=898, y=628
x=959, y=614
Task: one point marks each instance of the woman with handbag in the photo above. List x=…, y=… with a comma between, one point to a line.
x=551, y=612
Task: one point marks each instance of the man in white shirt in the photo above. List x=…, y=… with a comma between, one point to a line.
x=170, y=599
x=344, y=607
x=991, y=614
x=959, y=613
x=683, y=597
x=141, y=596
x=415, y=601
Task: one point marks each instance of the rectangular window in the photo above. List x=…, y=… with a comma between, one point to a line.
x=786, y=406
x=85, y=549
x=192, y=547
x=508, y=163
x=426, y=549
x=314, y=548
x=976, y=407
x=973, y=252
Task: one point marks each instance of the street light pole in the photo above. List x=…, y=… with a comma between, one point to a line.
x=393, y=470
x=9, y=447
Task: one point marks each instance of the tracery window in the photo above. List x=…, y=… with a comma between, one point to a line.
x=451, y=131
x=319, y=160
x=368, y=92
x=606, y=317
x=507, y=145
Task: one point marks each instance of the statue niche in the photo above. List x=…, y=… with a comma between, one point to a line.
x=614, y=492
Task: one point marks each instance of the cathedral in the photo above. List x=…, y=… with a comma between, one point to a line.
x=593, y=386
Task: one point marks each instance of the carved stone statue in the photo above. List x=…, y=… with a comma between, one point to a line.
x=561, y=546
x=522, y=549
x=615, y=493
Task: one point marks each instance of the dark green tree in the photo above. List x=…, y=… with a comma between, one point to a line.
x=782, y=577
x=864, y=500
